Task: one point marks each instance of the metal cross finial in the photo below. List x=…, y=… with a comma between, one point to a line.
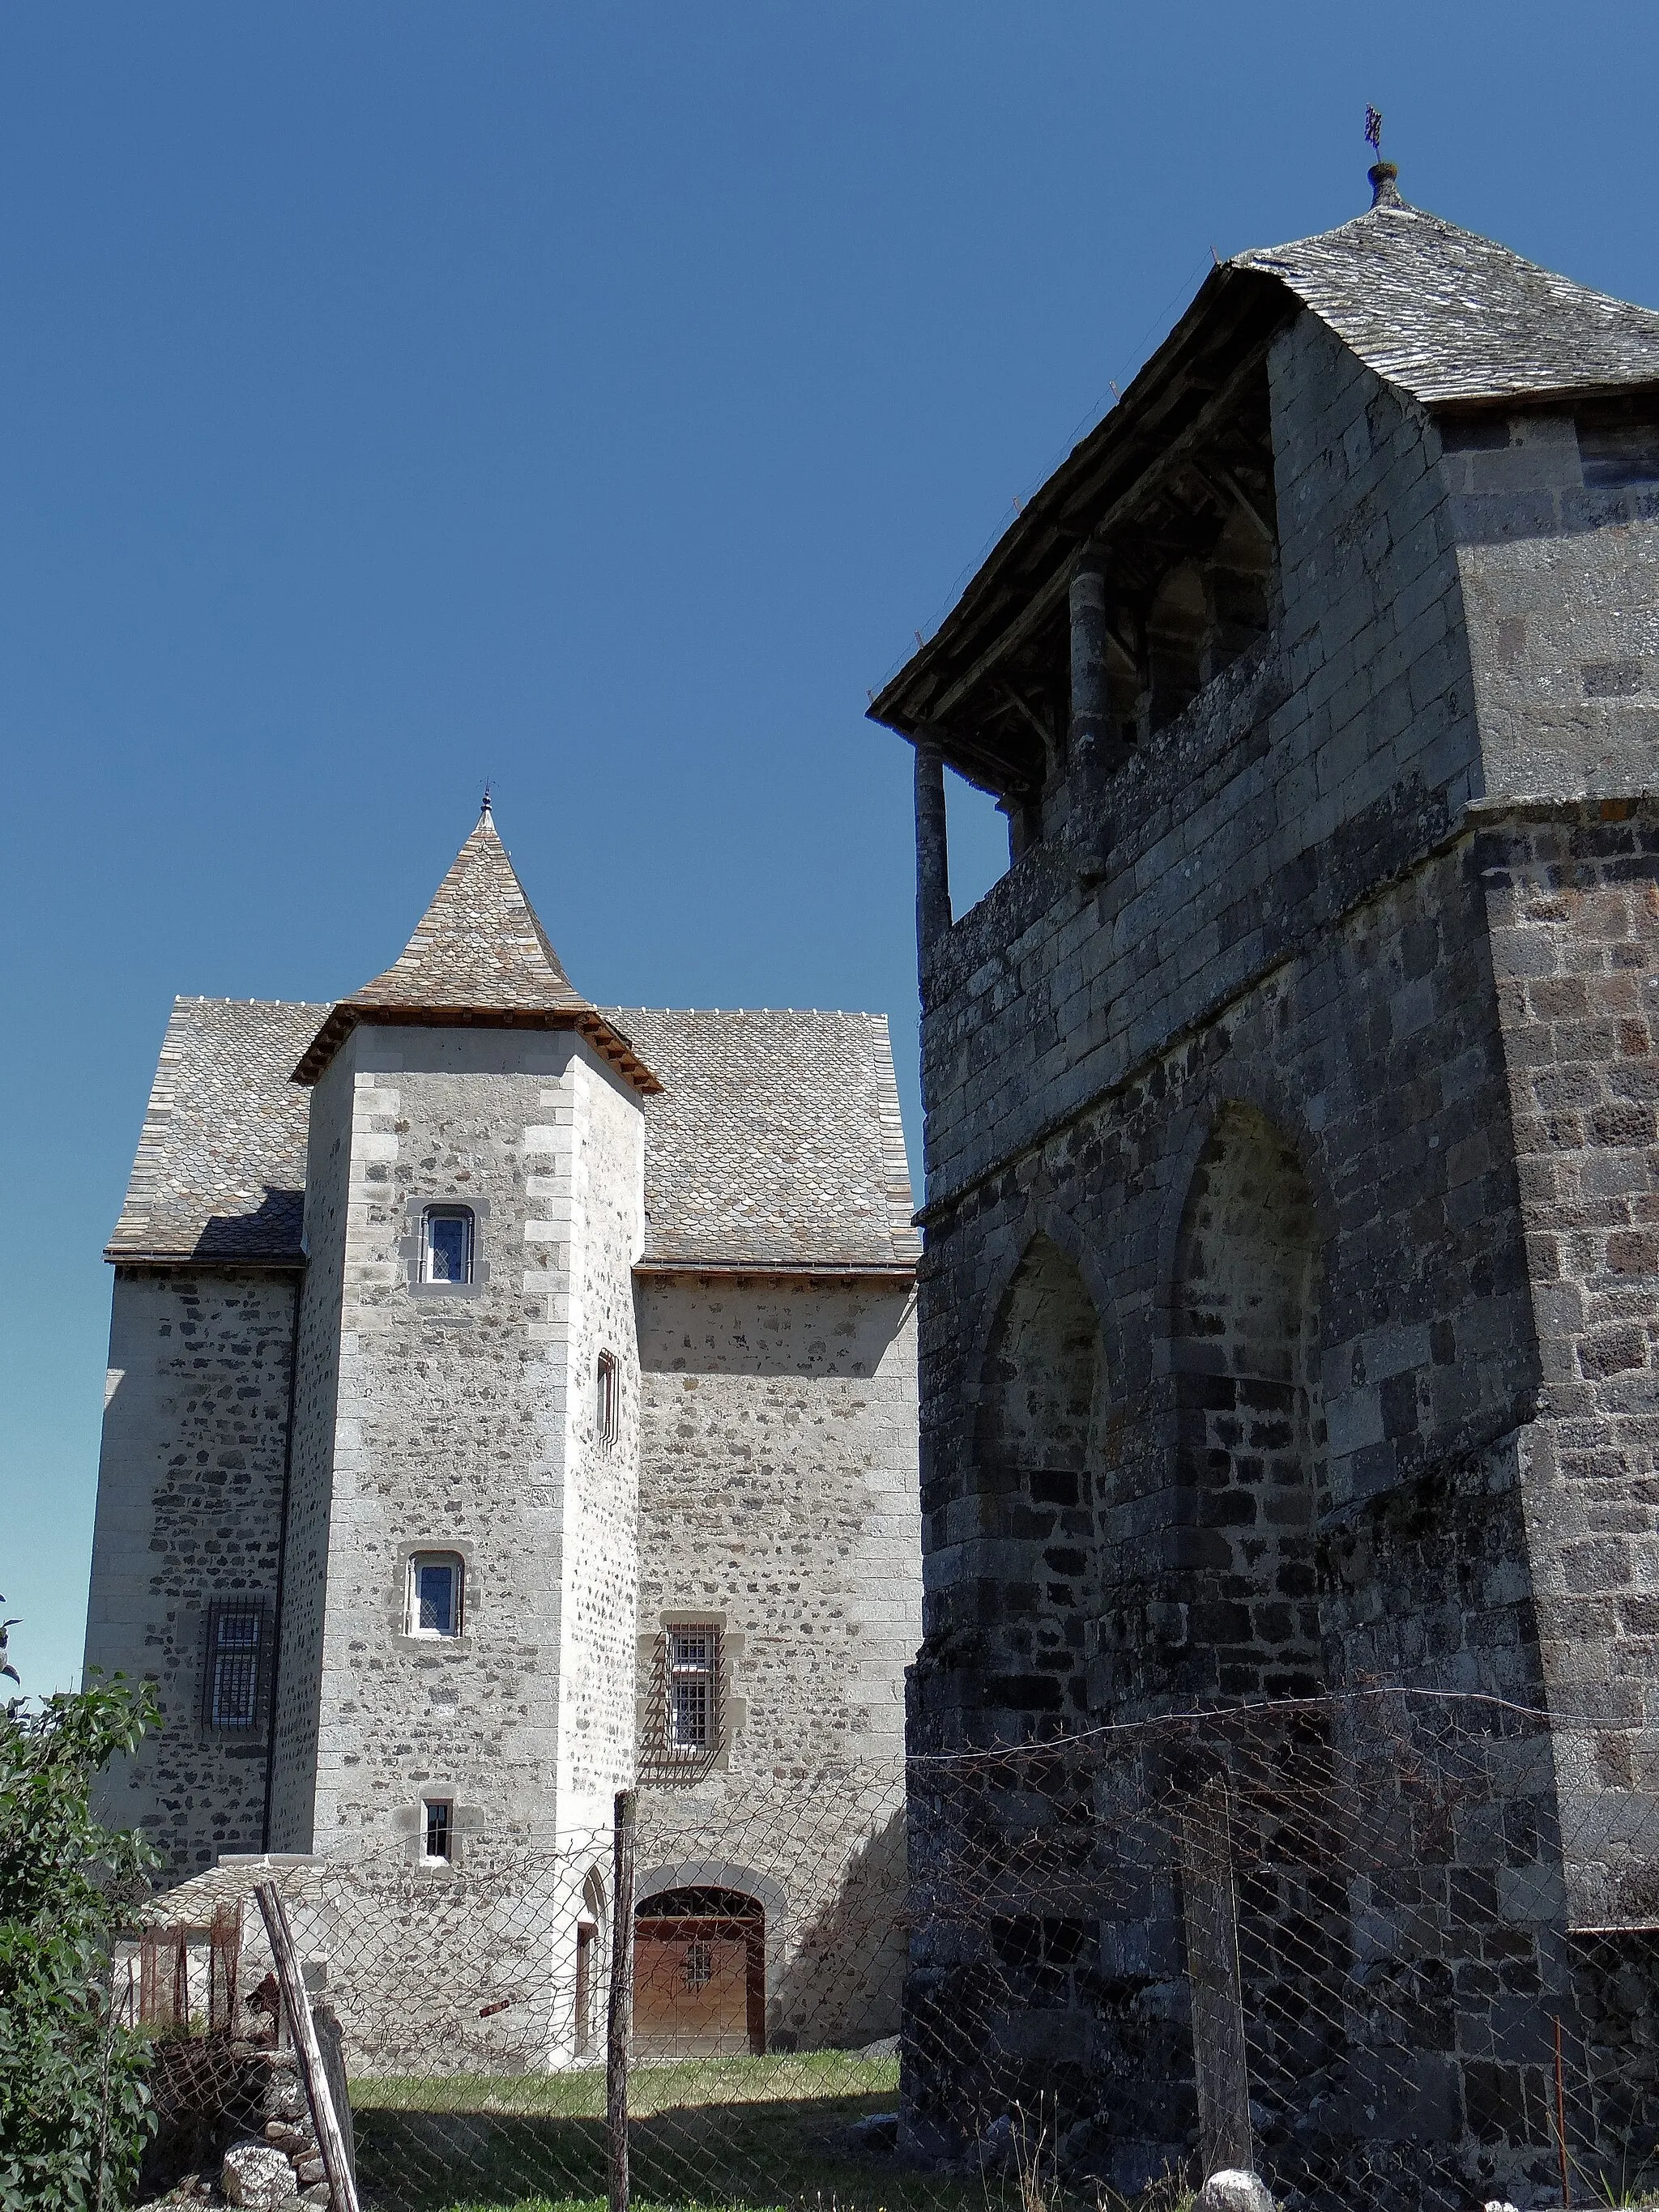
x=1374, y=130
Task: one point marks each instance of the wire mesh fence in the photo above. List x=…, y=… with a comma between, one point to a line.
x=1385, y=1949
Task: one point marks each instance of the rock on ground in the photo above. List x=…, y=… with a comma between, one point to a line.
x=256, y=2175
x=1233, y=2190
x=879, y=2132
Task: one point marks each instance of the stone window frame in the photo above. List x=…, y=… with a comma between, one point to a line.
x=409, y=1826
x=230, y=1603
x=660, y=1764
x=436, y=1555
x=411, y=1245
x=439, y=1825
x=472, y=1596
x=607, y=1399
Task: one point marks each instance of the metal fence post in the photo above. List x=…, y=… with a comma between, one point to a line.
x=619, y=2016
x=1209, y=1908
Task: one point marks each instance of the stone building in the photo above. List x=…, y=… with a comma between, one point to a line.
x=1290, y=1303
x=511, y=1399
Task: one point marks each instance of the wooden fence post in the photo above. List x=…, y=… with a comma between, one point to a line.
x=337, y=2159
x=619, y=2015
x=1209, y=1909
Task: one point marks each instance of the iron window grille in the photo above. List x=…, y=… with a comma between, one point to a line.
x=435, y=1593
x=439, y=1827
x=238, y=1662
x=447, y=1244
x=693, y=1687
x=605, y=1400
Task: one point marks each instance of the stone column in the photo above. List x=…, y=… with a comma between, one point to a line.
x=933, y=853
x=1091, y=707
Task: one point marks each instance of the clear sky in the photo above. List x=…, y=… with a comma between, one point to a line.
x=598, y=399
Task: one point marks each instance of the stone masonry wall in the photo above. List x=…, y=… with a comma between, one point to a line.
x=1289, y=919
x=1573, y=894
x=331, y=1174
x=596, y=1211
x=778, y=1500
x=1559, y=565
x=189, y=1509
x=1330, y=757
x=450, y=1434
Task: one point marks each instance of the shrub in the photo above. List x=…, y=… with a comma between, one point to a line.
x=74, y=2107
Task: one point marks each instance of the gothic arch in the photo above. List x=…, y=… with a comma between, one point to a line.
x=1250, y=1437
x=1037, y=1465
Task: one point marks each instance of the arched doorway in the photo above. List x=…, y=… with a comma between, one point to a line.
x=699, y=1973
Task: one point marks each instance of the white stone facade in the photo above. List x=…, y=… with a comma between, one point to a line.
x=708, y=1204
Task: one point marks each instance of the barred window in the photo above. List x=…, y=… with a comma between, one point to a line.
x=605, y=1400
x=447, y=1244
x=438, y=1819
x=694, y=1653
x=237, y=1662
x=434, y=1594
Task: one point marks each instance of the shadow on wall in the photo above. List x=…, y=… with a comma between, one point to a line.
x=699, y=1326
x=844, y=1977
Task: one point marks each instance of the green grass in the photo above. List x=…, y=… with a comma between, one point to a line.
x=734, y=2134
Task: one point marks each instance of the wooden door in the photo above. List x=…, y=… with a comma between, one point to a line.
x=699, y=1988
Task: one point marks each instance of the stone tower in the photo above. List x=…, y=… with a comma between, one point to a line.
x=468, y=1095
x=1291, y=1303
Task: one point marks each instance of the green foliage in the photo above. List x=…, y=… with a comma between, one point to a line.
x=74, y=2108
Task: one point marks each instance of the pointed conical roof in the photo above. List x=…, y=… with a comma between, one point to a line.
x=478, y=957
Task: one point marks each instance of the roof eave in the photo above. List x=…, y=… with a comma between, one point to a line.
x=604, y=1036
x=1228, y=282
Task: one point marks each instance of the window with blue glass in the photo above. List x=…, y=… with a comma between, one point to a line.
x=434, y=1594
x=447, y=1244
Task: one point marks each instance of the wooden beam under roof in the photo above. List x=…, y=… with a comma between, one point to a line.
x=1207, y=359
x=1176, y=456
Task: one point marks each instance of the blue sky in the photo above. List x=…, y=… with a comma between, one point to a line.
x=598, y=399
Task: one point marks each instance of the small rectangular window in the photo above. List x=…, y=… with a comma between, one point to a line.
x=434, y=1594
x=447, y=1244
x=237, y=1658
x=605, y=1400
x=693, y=1690
x=440, y=1826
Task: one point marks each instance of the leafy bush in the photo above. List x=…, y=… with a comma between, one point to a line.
x=74, y=2108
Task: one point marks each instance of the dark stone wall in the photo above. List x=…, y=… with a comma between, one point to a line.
x=1317, y=1044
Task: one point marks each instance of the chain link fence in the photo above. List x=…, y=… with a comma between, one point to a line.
x=1381, y=1949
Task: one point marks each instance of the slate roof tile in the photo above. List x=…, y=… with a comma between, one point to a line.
x=221, y=1167
x=1448, y=315
x=776, y=1142
x=479, y=951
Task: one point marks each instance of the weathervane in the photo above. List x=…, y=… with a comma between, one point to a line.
x=1384, y=191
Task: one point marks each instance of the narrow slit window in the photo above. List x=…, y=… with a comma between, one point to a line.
x=439, y=1824
x=605, y=1400
x=447, y=1244
x=693, y=1691
x=434, y=1594
x=235, y=1664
